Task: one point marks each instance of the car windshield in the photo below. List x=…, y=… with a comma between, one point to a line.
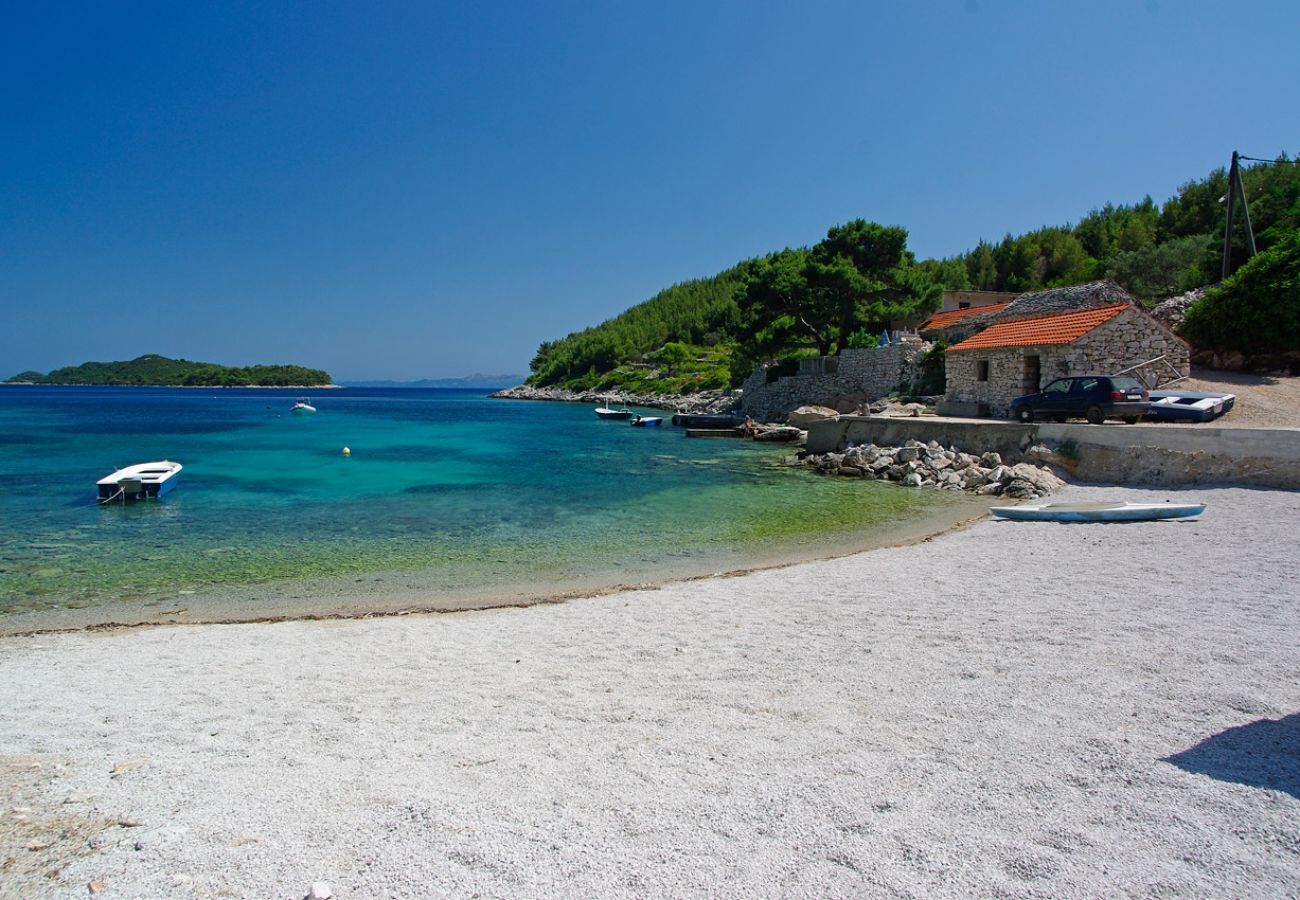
x=1059, y=386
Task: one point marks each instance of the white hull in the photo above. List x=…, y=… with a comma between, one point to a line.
x=141, y=481
x=1098, y=512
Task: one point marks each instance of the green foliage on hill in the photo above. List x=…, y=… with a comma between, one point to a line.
x=1257, y=309
x=701, y=312
x=675, y=368
x=152, y=369
x=1151, y=251
x=804, y=300
x=857, y=280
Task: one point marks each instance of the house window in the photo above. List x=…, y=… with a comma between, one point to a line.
x=982, y=370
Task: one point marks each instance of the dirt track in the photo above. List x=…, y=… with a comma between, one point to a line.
x=1263, y=401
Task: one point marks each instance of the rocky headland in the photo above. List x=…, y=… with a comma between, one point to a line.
x=703, y=401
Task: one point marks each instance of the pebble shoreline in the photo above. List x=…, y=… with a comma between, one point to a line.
x=1006, y=710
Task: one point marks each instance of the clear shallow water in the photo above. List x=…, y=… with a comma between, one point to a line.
x=445, y=492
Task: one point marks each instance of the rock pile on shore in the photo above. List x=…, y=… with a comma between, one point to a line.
x=931, y=465
x=701, y=402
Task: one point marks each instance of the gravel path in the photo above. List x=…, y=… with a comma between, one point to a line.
x=1016, y=709
x=1263, y=401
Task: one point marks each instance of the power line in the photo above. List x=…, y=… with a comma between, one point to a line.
x=1278, y=162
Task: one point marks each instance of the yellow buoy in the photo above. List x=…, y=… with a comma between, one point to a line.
x=347, y=451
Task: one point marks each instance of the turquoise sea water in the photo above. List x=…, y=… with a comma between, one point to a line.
x=444, y=492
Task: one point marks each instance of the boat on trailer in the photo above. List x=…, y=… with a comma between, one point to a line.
x=142, y=481
x=1103, y=511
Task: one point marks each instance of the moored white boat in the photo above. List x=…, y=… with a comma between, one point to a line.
x=646, y=421
x=141, y=481
x=1104, y=511
x=608, y=412
x=302, y=406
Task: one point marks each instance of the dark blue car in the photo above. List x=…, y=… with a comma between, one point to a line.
x=1092, y=397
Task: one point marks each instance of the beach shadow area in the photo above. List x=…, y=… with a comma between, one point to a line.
x=1264, y=753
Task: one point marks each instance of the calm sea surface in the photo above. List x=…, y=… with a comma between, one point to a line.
x=447, y=493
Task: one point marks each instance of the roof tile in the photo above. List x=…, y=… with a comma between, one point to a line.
x=944, y=319
x=1062, y=328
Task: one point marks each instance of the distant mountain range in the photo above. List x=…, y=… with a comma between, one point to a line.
x=469, y=381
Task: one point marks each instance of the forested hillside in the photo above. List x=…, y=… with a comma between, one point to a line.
x=709, y=332
x=152, y=369
x=696, y=313
x=1153, y=251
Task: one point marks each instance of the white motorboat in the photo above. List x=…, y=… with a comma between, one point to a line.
x=141, y=481
x=1189, y=406
x=646, y=421
x=1103, y=511
x=608, y=412
x=302, y=406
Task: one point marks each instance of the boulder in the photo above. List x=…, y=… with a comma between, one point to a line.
x=1039, y=453
x=991, y=460
x=1019, y=489
x=912, y=480
x=806, y=415
x=779, y=434
x=1043, y=481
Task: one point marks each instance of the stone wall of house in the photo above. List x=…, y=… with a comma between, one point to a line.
x=858, y=377
x=1130, y=338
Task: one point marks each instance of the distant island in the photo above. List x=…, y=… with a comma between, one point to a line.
x=154, y=370
x=469, y=381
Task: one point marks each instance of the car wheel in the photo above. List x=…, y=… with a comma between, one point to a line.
x=1025, y=414
x=1131, y=420
x=1095, y=415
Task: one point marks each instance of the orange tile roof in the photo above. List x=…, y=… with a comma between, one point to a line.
x=1062, y=328
x=944, y=319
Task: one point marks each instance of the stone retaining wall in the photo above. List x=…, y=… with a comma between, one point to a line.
x=859, y=376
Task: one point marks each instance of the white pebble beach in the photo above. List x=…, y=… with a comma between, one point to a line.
x=1009, y=710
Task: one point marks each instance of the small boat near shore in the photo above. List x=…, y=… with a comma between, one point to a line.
x=646, y=421
x=1103, y=511
x=608, y=412
x=302, y=407
x=142, y=481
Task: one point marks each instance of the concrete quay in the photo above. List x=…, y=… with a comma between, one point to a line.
x=1113, y=453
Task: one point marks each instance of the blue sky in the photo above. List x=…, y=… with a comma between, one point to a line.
x=429, y=189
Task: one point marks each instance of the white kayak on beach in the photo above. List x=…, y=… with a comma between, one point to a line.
x=1102, y=511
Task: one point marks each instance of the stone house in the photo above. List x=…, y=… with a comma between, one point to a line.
x=1019, y=354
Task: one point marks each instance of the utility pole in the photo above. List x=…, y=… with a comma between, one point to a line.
x=1236, y=189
